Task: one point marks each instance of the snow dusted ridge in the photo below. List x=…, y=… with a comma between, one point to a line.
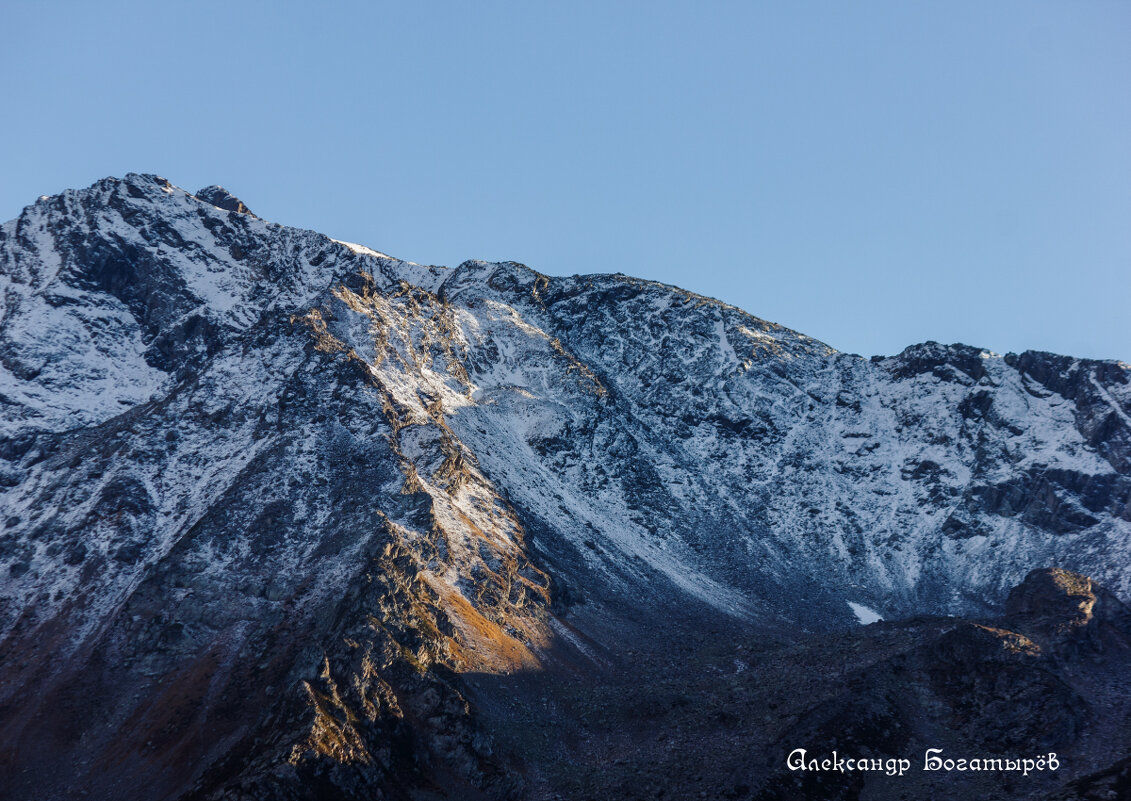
x=238, y=450
x=642, y=431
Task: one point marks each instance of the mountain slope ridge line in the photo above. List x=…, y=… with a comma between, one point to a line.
x=406, y=478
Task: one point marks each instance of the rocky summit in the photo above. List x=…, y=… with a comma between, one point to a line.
x=283, y=517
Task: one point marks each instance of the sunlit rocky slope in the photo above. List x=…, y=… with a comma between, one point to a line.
x=274, y=505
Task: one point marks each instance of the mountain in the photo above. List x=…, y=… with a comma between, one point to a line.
x=285, y=517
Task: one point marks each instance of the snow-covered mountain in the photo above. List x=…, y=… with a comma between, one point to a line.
x=238, y=458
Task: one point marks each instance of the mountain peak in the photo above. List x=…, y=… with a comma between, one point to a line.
x=221, y=198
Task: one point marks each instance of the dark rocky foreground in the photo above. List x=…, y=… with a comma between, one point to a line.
x=286, y=518
x=684, y=711
x=716, y=714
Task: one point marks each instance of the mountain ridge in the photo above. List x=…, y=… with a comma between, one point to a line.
x=291, y=490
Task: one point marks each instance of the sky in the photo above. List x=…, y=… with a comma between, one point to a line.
x=873, y=174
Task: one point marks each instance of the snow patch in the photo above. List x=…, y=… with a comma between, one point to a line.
x=361, y=250
x=864, y=614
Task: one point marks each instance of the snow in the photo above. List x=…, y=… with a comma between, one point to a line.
x=672, y=446
x=1110, y=401
x=77, y=357
x=361, y=249
x=864, y=614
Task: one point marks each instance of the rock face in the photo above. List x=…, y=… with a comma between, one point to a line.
x=221, y=198
x=280, y=511
x=1042, y=678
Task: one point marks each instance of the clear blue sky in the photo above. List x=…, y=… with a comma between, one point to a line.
x=873, y=174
